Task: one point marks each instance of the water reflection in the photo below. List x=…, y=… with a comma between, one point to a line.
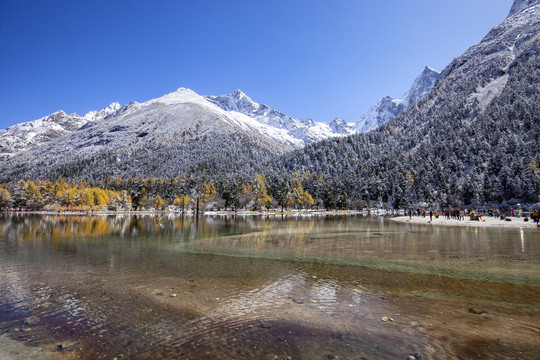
x=162, y=287
x=522, y=236
x=464, y=252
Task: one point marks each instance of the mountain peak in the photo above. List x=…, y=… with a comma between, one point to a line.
x=420, y=86
x=181, y=95
x=429, y=70
x=386, y=108
x=520, y=5
x=235, y=101
x=238, y=93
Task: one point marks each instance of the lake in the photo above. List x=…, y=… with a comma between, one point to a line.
x=327, y=287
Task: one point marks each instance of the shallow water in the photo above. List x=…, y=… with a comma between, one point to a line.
x=142, y=287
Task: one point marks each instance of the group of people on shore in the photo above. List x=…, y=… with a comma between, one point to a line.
x=460, y=214
x=455, y=214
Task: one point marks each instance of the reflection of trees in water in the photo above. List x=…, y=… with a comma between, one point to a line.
x=306, y=236
x=156, y=228
x=255, y=234
x=58, y=227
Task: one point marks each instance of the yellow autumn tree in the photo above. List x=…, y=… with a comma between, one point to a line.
x=159, y=203
x=245, y=196
x=101, y=198
x=208, y=193
x=182, y=202
x=298, y=197
x=5, y=198
x=259, y=192
x=32, y=196
x=60, y=187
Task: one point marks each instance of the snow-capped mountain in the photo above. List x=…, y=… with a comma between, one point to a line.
x=386, y=108
x=236, y=107
x=178, y=132
x=175, y=134
x=287, y=132
x=177, y=114
x=26, y=135
x=340, y=126
x=306, y=130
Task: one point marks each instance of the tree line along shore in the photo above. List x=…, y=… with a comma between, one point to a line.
x=186, y=194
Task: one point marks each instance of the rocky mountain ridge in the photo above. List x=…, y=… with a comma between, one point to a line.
x=520, y=5
x=292, y=133
x=20, y=137
x=238, y=108
x=387, y=108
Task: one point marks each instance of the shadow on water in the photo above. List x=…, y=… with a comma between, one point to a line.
x=232, y=287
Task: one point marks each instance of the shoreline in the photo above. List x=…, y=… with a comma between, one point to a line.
x=487, y=221
x=491, y=222
x=192, y=214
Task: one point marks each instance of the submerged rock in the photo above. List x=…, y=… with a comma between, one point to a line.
x=476, y=311
x=32, y=320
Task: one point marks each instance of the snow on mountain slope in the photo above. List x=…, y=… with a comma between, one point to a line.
x=178, y=133
x=23, y=136
x=386, y=108
x=520, y=5
x=340, y=126
x=306, y=130
x=235, y=109
x=176, y=116
x=506, y=46
x=420, y=87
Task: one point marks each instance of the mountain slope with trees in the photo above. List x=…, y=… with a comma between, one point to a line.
x=473, y=140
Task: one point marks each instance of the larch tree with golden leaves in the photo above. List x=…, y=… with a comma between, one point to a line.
x=208, y=194
x=5, y=198
x=260, y=192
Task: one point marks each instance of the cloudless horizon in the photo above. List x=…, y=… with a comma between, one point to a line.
x=317, y=59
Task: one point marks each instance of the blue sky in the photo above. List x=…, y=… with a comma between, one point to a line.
x=316, y=59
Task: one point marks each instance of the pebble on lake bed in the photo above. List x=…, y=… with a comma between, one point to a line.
x=386, y=319
x=476, y=311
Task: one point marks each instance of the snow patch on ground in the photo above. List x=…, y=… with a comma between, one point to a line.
x=485, y=95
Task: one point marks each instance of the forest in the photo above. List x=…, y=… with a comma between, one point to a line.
x=157, y=194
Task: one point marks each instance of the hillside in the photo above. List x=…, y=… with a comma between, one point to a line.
x=473, y=140
x=178, y=133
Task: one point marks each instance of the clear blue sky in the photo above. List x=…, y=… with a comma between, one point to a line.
x=316, y=59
